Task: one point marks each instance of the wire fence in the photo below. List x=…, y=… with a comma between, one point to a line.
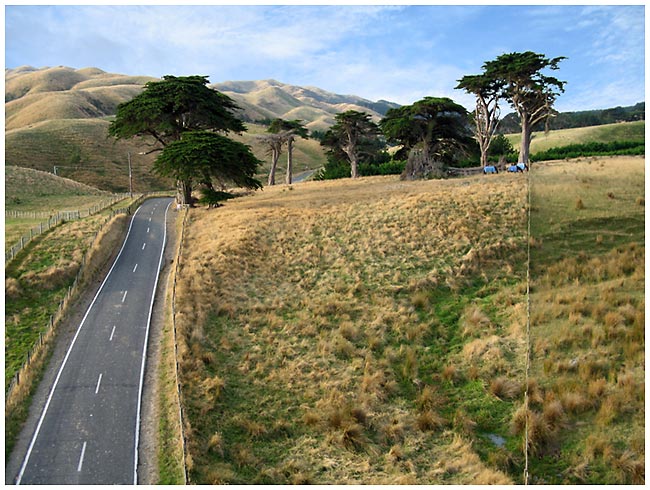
x=52, y=221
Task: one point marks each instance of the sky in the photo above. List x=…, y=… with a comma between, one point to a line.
x=399, y=53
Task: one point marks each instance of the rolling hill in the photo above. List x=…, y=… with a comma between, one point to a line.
x=269, y=99
x=59, y=116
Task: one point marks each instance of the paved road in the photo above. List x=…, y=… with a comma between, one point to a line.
x=89, y=430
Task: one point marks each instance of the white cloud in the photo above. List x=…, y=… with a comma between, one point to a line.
x=395, y=53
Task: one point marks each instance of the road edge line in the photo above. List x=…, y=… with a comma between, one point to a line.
x=144, y=349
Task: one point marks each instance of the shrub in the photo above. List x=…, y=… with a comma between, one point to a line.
x=430, y=420
x=502, y=387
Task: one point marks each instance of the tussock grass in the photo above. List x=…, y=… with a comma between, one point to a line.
x=334, y=312
x=587, y=305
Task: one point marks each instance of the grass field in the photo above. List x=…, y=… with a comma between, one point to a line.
x=364, y=331
x=587, y=342
x=44, y=194
x=374, y=331
x=627, y=131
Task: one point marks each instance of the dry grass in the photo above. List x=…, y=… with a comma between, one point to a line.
x=317, y=304
x=587, y=309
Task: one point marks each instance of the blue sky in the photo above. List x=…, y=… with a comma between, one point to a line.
x=397, y=53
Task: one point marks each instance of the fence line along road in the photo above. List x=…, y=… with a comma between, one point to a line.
x=52, y=221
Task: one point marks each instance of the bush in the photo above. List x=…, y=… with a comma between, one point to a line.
x=333, y=169
x=393, y=167
x=213, y=198
x=593, y=148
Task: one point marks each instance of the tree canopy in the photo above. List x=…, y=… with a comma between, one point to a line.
x=183, y=116
x=530, y=92
x=201, y=156
x=437, y=125
x=350, y=135
x=167, y=108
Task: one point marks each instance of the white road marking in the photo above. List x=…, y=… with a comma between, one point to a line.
x=149, y=220
x=124, y=297
x=99, y=381
x=136, y=266
x=144, y=245
x=112, y=332
x=144, y=351
x=147, y=230
x=81, y=458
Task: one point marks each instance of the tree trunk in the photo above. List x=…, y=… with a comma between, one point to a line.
x=484, y=153
x=354, y=166
x=274, y=165
x=526, y=133
x=183, y=193
x=289, y=160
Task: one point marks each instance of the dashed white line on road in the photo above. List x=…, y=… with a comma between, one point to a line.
x=81, y=458
x=99, y=381
x=148, y=230
x=124, y=297
x=110, y=339
x=144, y=245
x=136, y=266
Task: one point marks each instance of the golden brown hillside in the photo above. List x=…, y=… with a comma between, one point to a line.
x=33, y=96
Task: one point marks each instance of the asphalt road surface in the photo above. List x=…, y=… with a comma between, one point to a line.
x=88, y=431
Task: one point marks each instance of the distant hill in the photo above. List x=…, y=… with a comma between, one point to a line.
x=580, y=119
x=59, y=116
x=35, y=95
x=265, y=100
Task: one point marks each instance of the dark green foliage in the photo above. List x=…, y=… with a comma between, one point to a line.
x=500, y=145
x=439, y=125
x=353, y=136
x=214, y=198
x=200, y=156
x=166, y=109
x=294, y=126
x=333, y=169
x=336, y=169
x=592, y=149
x=392, y=167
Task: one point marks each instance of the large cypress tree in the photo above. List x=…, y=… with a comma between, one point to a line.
x=166, y=111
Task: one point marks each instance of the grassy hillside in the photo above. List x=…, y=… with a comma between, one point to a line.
x=33, y=96
x=316, y=107
x=28, y=190
x=587, y=417
x=375, y=331
x=627, y=131
x=356, y=332
x=84, y=152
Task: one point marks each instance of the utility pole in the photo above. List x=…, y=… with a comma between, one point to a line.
x=128, y=153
